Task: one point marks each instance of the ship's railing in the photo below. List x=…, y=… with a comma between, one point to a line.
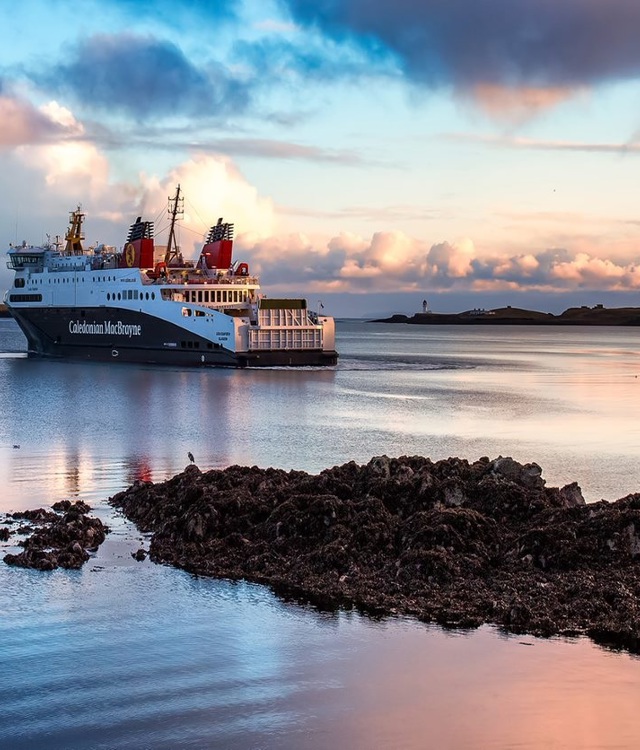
x=285, y=328
x=175, y=278
x=103, y=263
x=219, y=297
x=280, y=317
x=285, y=338
x=69, y=266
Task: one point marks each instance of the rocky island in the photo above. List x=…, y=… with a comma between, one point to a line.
x=451, y=542
x=574, y=316
x=58, y=538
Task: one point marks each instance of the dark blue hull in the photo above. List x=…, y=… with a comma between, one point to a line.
x=121, y=335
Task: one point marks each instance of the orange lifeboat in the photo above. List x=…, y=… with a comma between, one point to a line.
x=160, y=271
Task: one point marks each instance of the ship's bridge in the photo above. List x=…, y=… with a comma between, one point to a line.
x=25, y=257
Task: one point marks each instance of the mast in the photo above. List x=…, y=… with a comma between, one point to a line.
x=176, y=209
x=74, y=235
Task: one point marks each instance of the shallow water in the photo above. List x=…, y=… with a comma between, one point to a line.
x=132, y=655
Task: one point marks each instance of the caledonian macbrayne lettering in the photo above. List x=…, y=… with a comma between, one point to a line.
x=117, y=328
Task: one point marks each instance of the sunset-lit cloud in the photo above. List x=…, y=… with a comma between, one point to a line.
x=518, y=103
x=22, y=123
x=69, y=164
x=390, y=262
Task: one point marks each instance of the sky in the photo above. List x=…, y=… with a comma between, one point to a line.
x=473, y=153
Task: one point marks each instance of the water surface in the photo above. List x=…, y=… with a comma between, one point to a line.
x=132, y=655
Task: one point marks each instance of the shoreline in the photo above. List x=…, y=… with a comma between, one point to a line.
x=447, y=542
x=573, y=316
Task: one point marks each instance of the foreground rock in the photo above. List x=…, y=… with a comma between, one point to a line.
x=58, y=539
x=450, y=542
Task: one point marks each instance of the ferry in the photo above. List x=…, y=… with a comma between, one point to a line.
x=147, y=304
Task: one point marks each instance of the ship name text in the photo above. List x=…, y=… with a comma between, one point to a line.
x=108, y=328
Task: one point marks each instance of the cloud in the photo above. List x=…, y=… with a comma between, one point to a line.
x=212, y=187
x=56, y=148
x=395, y=262
x=74, y=168
x=389, y=255
x=186, y=138
x=21, y=123
x=528, y=45
x=297, y=58
x=585, y=270
x=534, y=144
x=293, y=261
x=450, y=262
x=287, y=150
x=141, y=76
x=58, y=176
x=347, y=262
x=518, y=103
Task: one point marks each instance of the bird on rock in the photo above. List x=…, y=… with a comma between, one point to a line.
x=191, y=458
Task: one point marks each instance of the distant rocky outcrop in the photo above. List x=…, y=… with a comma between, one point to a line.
x=61, y=538
x=574, y=316
x=452, y=542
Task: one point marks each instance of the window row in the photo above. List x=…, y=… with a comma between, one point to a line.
x=216, y=295
x=25, y=298
x=130, y=294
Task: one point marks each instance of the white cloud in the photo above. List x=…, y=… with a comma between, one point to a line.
x=451, y=260
x=76, y=172
x=74, y=167
x=62, y=116
x=212, y=187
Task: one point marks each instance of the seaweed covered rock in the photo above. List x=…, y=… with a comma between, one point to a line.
x=61, y=539
x=450, y=541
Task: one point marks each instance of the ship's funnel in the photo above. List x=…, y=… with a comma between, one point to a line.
x=138, y=250
x=218, y=248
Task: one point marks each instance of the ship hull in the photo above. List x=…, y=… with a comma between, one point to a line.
x=119, y=335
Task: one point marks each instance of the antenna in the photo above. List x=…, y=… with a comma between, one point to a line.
x=176, y=210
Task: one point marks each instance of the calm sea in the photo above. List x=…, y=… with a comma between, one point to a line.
x=124, y=654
